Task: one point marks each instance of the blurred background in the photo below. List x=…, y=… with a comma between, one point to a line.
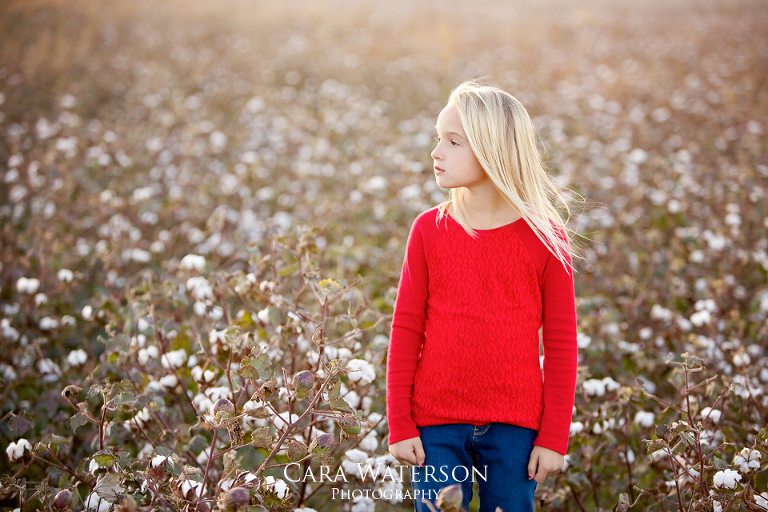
x=134, y=133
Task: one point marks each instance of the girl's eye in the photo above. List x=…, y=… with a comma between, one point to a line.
x=454, y=143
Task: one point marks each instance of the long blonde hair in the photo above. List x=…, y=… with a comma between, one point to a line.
x=503, y=139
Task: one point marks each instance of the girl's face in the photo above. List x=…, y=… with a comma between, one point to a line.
x=455, y=163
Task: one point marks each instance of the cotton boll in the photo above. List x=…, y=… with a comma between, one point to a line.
x=576, y=427
x=369, y=443
x=96, y=503
x=18, y=450
x=27, y=286
x=278, y=486
x=594, y=387
x=174, y=359
x=193, y=262
x=362, y=371
x=747, y=460
x=77, y=357
x=645, y=419
x=728, y=479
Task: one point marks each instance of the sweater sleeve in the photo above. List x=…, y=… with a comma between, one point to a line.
x=407, y=337
x=560, y=356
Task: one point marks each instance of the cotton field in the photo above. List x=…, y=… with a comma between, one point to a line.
x=204, y=210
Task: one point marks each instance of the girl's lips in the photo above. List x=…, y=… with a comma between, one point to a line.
x=439, y=170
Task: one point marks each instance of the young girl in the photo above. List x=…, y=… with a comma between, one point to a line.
x=466, y=398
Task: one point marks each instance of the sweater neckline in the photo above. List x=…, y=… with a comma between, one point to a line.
x=491, y=230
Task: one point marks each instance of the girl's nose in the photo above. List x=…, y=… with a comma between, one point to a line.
x=434, y=154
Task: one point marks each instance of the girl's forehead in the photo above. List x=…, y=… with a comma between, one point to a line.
x=449, y=120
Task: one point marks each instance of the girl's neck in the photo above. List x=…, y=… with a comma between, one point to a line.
x=487, y=209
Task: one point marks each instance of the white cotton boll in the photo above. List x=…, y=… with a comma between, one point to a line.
x=217, y=336
x=363, y=504
x=582, y=340
x=18, y=450
x=217, y=392
x=369, y=443
x=216, y=313
x=761, y=500
x=714, y=414
x=263, y=315
x=50, y=370
x=707, y=304
x=279, y=487
x=700, y=318
x=611, y=385
x=7, y=372
x=747, y=460
x=594, y=387
x=97, y=503
x=361, y=371
x=684, y=324
x=27, y=286
x=200, y=308
x=741, y=359
x=41, y=299
x=87, y=313
x=576, y=427
x=47, y=323
x=200, y=288
x=218, y=141
x=727, y=479
x=157, y=461
x=356, y=455
x=174, y=359
x=191, y=489
x=8, y=332
x=77, y=357
x=169, y=381
x=151, y=352
x=203, y=456
x=68, y=320
x=193, y=262
x=645, y=419
x=374, y=418
x=280, y=420
x=658, y=455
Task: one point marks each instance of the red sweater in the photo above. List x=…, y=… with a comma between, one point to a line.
x=464, y=346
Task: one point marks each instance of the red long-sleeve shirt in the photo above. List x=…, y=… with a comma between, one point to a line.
x=464, y=345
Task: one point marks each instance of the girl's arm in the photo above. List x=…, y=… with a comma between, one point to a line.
x=407, y=336
x=560, y=356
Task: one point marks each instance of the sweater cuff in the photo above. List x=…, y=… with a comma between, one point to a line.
x=402, y=433
x=554, y=443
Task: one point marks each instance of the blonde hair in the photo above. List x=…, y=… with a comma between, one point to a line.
x=503, y=139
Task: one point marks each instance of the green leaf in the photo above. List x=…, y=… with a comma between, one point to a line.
x=78, y=420
x=104, y=460
x=761, y=480
x=108, y=487
x=719, y=463
x=260, y=438
x=18, y=425
x=248, y=372
x=340, y=405
x=126, y=397
x=260, y=365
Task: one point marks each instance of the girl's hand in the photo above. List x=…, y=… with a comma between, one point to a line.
x=408, y=451
x=543, y=462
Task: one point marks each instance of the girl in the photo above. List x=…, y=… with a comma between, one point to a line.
x=466, y=398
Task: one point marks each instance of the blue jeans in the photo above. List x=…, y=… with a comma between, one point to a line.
x=499, y=454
